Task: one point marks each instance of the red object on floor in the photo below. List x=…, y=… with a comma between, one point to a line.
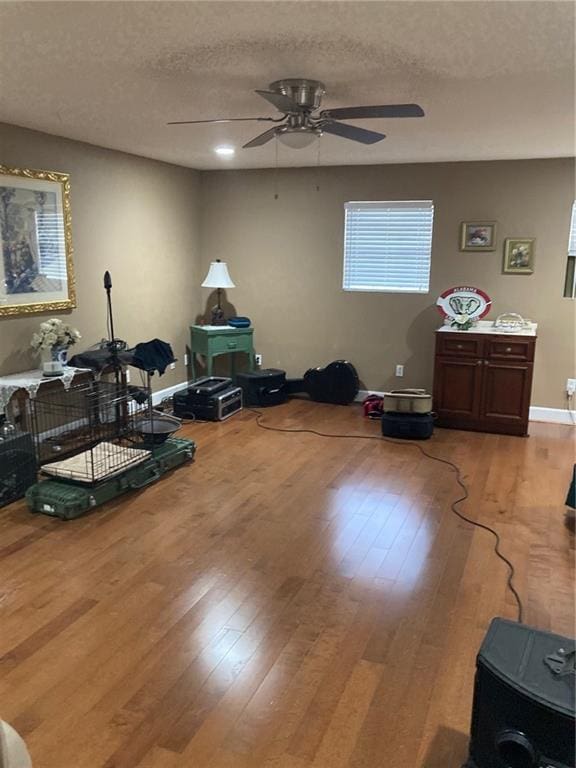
x=372, y=406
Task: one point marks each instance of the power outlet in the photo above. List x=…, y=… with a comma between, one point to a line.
x=399, y=370
x=258, y=360
x=172, y=366
x=186, y=359
x=571, y=387
x=127, y=375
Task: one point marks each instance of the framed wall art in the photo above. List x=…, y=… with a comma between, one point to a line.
x=478, y=236
x=36, y=268
x=518, y=256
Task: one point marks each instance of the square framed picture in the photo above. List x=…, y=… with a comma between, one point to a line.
x=518, y=256
x=478, y=236
x=36, y=269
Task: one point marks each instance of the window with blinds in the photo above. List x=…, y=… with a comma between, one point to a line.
x=388, y=246
x=51, y=246
x=570, y=282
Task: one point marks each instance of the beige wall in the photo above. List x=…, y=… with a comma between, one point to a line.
x=149, y=222
x=136, y=217
x=285, y=256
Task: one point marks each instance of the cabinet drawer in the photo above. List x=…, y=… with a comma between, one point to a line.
x=231, y=343
x=510, y=349
x=460, y=346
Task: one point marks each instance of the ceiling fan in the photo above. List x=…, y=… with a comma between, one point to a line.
x=299, y=100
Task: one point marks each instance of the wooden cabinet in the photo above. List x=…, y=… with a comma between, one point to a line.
x=483, y=382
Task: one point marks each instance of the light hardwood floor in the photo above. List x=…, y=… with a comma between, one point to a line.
x=286, y=601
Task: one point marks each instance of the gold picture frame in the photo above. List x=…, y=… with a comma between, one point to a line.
x=518, y=256
x=36, y=253
x=478, y=236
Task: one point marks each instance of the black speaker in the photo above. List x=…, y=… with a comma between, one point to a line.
x=264, y=387
x=523, y=714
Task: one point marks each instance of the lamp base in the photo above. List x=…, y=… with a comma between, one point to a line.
x=217, y=316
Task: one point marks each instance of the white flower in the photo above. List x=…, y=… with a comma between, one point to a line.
x=54, y=332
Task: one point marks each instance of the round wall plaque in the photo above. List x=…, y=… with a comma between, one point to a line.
x=464, y=300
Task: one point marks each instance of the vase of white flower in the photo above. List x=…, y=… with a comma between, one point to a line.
x=462, y=322
x=52, y=340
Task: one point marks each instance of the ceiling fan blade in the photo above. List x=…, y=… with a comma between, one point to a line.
x=263, y=138
x=278, y=100
x=223, y=120
x=383, y=110
x=352, y=132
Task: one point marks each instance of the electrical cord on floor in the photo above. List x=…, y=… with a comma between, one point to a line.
x=453, y=505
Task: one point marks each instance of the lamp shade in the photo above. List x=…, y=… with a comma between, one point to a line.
x=218, y=276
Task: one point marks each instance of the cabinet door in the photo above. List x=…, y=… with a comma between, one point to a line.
x=506, y=395
x=457, y=391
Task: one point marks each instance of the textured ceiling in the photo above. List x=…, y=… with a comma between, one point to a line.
x=496, y=79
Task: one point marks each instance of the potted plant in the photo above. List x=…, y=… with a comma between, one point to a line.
x=52, y=340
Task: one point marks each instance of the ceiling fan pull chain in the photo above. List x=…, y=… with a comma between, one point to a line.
x=276, y=195
x=318, y=163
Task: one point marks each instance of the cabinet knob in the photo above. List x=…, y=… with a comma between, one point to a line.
x=479, y=362
x=459, y=346
x=508, y=349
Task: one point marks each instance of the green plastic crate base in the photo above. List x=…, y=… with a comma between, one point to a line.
x=67, y=500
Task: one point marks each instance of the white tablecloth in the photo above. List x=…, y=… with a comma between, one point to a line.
x=31, y=381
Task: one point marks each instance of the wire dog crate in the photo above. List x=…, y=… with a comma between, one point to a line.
x=89, y=432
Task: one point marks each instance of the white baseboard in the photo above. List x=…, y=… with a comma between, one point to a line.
x=552, y=415
x=363, y=394
x=537, y=413
x=157, y=397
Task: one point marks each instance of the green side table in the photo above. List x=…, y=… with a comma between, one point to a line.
x=212, y=340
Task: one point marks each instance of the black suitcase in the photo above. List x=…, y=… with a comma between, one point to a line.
x=263, y=388
x=408, y=426
x=17, y=466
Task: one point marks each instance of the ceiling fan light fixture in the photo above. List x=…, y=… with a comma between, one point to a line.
x=297, y=138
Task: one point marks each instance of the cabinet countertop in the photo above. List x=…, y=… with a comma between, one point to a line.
x=214, y=329
x=487, y=327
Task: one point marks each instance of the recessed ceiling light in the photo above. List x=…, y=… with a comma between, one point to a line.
x=224, y=151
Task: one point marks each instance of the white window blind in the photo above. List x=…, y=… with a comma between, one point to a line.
x=388, y=245
x=572, y=238
x=51, y=246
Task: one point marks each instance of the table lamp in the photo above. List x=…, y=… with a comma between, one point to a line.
x=218, y=277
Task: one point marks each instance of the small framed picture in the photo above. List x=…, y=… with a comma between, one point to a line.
x=478, y=236
x=518, y=256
